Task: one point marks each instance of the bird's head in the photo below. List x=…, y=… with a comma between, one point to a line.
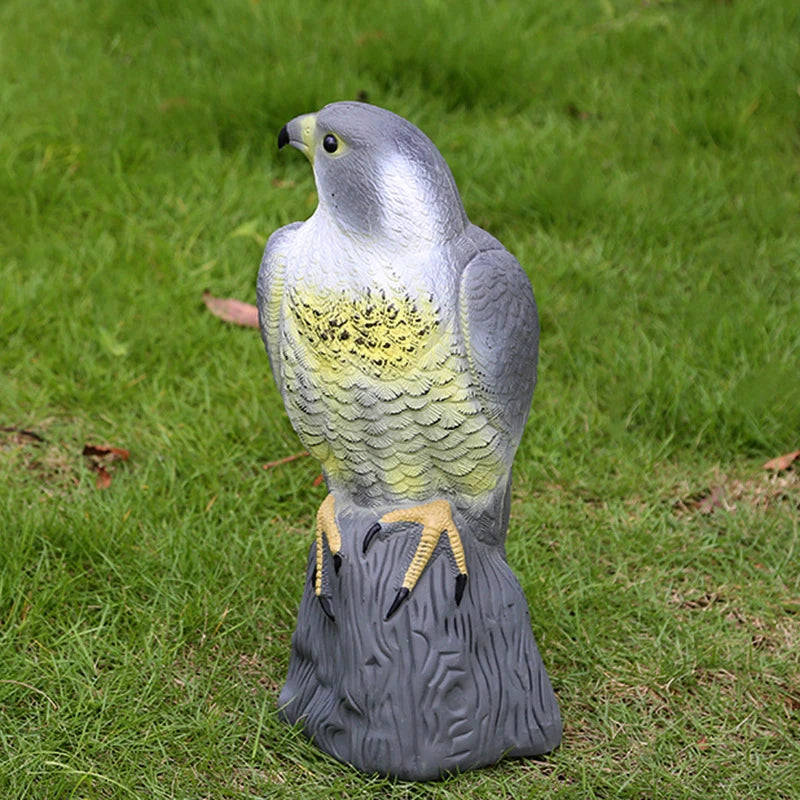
x=378, y=175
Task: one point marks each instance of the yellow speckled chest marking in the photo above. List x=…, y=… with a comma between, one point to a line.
x=377, y=332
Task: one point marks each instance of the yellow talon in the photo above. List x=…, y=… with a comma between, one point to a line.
x=326, y=526
x=436, y=519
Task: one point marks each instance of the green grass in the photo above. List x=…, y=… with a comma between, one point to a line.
x=641, y=160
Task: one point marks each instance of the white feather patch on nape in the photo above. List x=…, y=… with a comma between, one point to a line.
x=407, y=202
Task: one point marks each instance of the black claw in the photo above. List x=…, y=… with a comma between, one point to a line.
x=371, y=534
x=398, y=599
x=337, y=563
x=326, y=606
x=461, y=582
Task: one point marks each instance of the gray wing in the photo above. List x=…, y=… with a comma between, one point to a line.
x=500, y=327
x=269, y=293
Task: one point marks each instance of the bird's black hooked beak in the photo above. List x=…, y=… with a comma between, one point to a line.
x=299, y=133
x=283, y=137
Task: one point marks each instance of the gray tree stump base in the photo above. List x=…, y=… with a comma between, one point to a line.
x=437, y=688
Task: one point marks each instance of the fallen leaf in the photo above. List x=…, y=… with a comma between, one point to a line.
x=286, y=460
x=103, y=480
x=783, y=462
x=230, y=310
x=106, y=451
x=99, y=456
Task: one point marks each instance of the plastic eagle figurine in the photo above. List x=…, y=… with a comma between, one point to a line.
x=403, y=340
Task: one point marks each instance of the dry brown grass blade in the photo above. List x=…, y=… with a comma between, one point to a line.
x=286, y=460
x=22, y=434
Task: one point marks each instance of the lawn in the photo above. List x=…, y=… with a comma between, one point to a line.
x=641, y=159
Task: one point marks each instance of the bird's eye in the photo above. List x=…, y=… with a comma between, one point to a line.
x=330, y=143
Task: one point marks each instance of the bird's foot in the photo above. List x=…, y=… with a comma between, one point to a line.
x=326, y=529
x=436, y=519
